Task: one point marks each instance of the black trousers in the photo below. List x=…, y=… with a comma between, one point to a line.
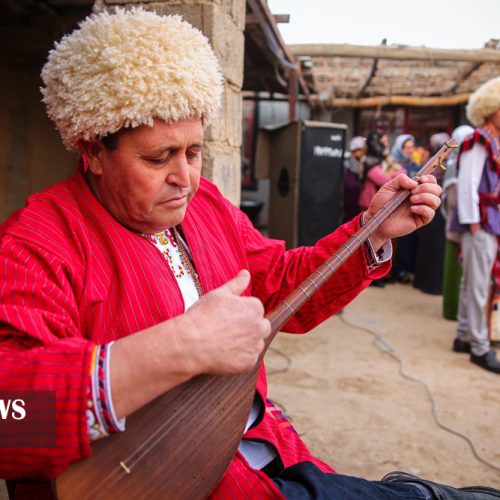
x=304, y=481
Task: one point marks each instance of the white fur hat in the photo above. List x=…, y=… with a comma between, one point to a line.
x=125, y=69
x=484, y=102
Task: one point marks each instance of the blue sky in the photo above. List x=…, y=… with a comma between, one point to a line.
x=451, y=24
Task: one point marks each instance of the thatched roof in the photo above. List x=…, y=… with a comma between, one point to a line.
x=359, y=76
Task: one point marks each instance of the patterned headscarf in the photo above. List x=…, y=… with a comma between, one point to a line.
x=398, y=154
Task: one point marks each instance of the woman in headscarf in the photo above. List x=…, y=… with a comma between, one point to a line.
x=402, y=152
x=406, y=250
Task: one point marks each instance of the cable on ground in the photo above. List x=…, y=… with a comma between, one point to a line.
x=384, y=346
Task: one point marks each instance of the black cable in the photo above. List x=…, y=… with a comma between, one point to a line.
x=384, y=346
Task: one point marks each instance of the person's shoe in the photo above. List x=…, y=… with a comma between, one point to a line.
x=378, y=283
x=405, y=277
x=487, y=361
x=461, y=345
x=443, y=492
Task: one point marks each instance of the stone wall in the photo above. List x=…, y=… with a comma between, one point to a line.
x=32, y=156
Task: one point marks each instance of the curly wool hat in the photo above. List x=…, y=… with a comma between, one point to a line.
x=484, y=102
x=125, y=69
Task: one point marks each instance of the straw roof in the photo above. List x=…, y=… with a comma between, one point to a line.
x=359, y=76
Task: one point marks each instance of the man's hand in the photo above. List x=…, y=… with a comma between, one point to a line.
x=474, y=227
x=224, y=333
x=412, y=214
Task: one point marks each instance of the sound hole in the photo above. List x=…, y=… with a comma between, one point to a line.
x=284, y=182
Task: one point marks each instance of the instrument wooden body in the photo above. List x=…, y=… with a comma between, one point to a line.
x=214, y=409
x=179, y=445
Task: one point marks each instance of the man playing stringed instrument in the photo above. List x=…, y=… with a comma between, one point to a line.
x=136, y=274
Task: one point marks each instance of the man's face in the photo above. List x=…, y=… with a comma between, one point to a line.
x=494, y=119
x=147, y=182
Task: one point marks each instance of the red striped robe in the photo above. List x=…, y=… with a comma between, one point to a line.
x=73, y=277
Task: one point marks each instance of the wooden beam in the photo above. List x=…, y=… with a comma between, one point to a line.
x=282, y=18
x=395, y=100
x=292, y=96
x=364, y=85
x=252, y=18
x=465, y=75
x=394, y=52
x=261, y=9
x=72, y=3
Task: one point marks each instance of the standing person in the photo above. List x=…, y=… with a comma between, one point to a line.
x=452, y=272
x=402, y=151
x=137, y=275
x=406, y=248
x=352, y=177
x=376, y=150
x=422, y=153
x=379, y=169
x=477, y=219
x=429, y=260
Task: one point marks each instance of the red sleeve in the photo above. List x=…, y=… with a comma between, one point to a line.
x=276, y=273
x=41, y=349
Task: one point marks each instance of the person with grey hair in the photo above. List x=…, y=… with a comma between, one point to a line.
x=477, y=219
x=137, y=275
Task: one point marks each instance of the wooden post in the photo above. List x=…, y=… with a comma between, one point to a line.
x=397, y=100
x=292, y=95
x=395, y=52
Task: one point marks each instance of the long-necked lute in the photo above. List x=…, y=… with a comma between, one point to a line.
x=179, y=445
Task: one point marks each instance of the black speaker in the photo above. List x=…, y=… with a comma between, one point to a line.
x=306, y=168
x=321, y=182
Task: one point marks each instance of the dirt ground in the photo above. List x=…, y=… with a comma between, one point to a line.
x=354, y=409
x=347, y=399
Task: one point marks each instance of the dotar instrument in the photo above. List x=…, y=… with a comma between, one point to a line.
x=179, y=445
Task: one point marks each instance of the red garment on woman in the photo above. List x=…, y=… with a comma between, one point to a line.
x=73, y=277
x=375, y=179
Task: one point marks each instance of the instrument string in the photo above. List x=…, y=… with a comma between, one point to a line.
x=385, y=347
